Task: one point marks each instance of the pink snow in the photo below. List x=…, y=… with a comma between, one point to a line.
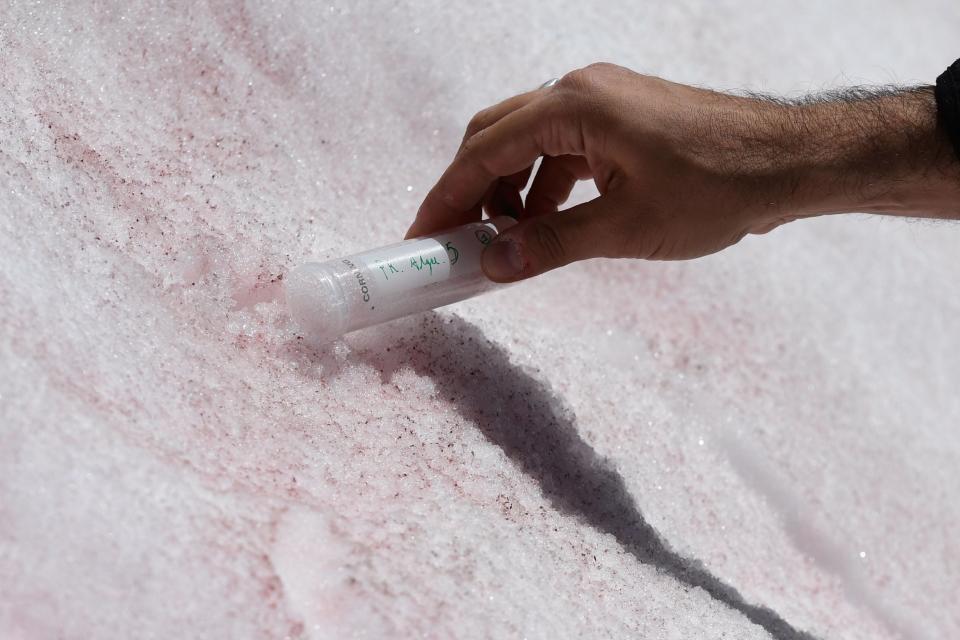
x=762, y=443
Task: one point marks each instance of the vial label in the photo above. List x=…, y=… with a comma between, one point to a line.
x=402, y=268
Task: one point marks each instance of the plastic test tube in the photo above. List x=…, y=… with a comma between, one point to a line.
x=328, y=299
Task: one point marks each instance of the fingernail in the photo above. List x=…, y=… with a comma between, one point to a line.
x=502, y=259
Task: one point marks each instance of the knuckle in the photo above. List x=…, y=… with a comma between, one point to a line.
x=588, y=77
x=478, y=122
x=559, y=123
x=550, y=245
x=589, y=93
x=471, y=155
x=469, y=147
x=576, y=80
x=601, y=67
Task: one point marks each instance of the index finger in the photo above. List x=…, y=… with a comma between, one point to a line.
x=508, y=146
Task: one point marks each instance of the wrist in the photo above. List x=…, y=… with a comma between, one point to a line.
x=872, y=154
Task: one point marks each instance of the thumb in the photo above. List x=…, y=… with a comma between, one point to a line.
x=537, y=245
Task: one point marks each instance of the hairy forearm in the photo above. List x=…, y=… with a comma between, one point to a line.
x=867, y=151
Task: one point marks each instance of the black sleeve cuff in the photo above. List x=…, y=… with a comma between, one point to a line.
x=947, y=93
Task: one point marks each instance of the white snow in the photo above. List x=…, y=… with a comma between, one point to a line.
x=617, y=449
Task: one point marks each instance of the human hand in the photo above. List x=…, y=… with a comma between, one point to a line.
x=682, y=172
